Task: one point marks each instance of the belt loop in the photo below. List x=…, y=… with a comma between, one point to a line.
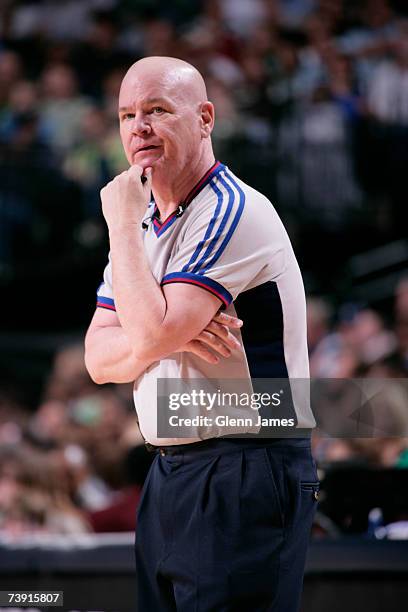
x=149, y=447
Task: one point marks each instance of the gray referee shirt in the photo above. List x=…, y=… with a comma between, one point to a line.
x=231, y=242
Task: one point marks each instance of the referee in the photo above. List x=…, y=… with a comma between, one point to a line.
x=224, y=522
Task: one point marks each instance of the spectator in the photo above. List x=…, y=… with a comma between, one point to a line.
x=33, y=495
x=68, y=377
x=401, y=323
x=95, y=160
x=98, y=53
x=318, y=321
x=10, y=73
x=64, y=107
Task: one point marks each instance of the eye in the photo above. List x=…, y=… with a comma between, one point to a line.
x=127, y=116
x=157, y=110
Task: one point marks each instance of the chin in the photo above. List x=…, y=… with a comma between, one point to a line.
x=142, y=159
x=159, y=164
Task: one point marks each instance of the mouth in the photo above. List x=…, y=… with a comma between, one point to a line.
x=147, y=148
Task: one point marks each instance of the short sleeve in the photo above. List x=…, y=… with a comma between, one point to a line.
x=104, y=294
x=226, y=245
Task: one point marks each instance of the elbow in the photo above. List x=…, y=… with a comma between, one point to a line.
x=97, y=378
x=95, y=370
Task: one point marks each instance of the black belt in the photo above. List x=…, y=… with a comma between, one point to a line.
x=226, y=444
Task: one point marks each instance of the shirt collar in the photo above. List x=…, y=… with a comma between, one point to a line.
x=160, y=228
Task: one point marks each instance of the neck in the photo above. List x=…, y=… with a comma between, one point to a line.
x=170, y=191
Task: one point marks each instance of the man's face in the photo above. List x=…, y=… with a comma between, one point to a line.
x=160, y=123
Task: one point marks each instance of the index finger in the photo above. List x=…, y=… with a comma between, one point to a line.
x=228, y=320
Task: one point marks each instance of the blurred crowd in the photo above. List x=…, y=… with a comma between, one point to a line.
x=74, y=465
x=311, y=102
x=361, y=344
x=311, y=99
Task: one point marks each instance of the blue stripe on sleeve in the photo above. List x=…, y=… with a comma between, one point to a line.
x=198, y=267
x=233, y=224
x=208, y=230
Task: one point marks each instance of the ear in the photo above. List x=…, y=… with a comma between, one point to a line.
x=207, y=119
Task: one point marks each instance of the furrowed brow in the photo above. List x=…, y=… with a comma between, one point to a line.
x=147, y=102
x=156, y=101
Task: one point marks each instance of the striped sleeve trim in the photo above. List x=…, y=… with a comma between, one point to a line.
x=104, y=302
x=201, y=281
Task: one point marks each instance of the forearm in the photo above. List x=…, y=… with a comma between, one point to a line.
x=139, y=300
x=109, y=357
x=154, y=329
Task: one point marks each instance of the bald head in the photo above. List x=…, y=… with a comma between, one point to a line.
x=169, y=73
x=165, y=118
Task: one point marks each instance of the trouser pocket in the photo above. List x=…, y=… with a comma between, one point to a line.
x=312, y=488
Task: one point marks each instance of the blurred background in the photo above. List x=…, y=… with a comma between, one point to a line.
x=311, y=102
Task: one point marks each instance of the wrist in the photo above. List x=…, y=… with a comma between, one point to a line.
x=130, y=228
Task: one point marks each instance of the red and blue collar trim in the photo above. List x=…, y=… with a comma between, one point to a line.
x=160, y=228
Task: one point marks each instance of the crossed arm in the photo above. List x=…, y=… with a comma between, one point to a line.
x=109, y=356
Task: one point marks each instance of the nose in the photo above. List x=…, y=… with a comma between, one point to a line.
x=140, y=125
